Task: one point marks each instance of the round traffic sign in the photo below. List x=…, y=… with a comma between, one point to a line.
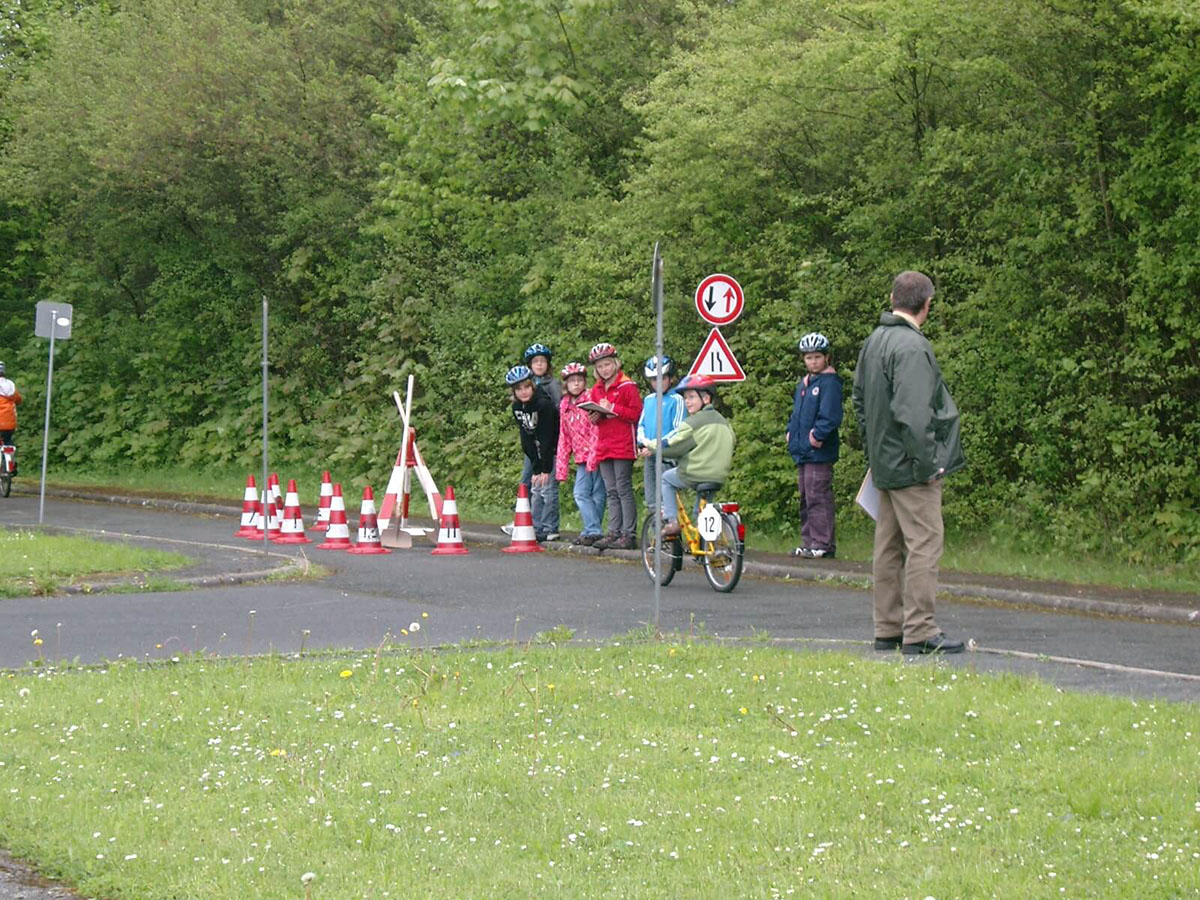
x=719, y=299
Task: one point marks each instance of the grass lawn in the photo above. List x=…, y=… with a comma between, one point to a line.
x=36, y=563
x=630, y=770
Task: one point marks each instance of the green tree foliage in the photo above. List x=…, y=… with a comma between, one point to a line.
x=429, y=188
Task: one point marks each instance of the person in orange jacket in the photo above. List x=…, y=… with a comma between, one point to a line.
x=10, y=399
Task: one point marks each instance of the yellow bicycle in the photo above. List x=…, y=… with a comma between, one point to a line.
x=716, y=539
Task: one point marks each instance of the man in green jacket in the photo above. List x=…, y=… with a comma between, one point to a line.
x=909, y=423
x=703, y=443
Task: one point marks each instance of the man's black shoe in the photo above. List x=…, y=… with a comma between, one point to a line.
x=889, y=643
x=939, y=643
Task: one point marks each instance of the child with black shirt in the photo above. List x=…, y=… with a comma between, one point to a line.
x=537, y=419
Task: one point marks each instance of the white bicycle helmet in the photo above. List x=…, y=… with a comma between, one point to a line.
x=814, y=342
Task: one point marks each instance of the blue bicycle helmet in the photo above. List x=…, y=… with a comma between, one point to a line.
x=517, y=374
x=651, y=367
x=538, y=350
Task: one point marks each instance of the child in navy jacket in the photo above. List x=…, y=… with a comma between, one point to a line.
x=812, y=440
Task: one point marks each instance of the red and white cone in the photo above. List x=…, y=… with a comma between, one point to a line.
x=249, y=511
x=292, y=526
x=271, y=518
x=337, y=537
x=323, y=504
x=450, y=542
x=368, y=527
x=524, y=540
x=277, y=494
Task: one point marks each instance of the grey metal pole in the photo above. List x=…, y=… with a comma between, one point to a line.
x=46, y=428
x=265, y=523
x=656, y=288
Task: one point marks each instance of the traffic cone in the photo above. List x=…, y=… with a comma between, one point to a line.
x=271, y=519
x=524, y=540
x=450, y=542
x=249, y=510
x=292, y=526
x=273, y=481
x=323, y=507
x=338, y=535
x=368, y=527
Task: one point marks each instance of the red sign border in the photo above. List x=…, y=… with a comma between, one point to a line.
x=726, y=279
x=715, y=337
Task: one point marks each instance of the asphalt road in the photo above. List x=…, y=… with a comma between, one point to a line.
x=493, y=595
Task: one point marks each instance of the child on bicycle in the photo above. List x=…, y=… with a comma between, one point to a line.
x=577, y=435
x=812, y=440
x=10, y=399
x=537, y=419
x=673, y=413
x=703, y=443
x=615, y=450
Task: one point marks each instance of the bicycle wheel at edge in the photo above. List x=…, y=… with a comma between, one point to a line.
x=649, y=533
x=723, y=562
x=5, y=484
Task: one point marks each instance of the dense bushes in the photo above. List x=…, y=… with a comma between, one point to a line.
x=429, y=189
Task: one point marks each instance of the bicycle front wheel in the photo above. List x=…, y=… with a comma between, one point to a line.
x=650, y=536
x=723, y=559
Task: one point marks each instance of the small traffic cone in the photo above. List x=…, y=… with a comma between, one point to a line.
x=450, y=542
x=338, y=535
x=323, y=507
x=273, y=481
x=368, y=527
x=524, y=540
x=249, y=510
x=271, y=518
x=292, y=526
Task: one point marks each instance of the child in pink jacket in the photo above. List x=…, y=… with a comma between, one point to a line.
x=577, y=435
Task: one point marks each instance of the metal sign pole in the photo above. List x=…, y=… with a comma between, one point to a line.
x=656, y=289
x=266, y=525
x=46, y=428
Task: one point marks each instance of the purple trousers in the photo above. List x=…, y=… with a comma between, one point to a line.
x=815, y=482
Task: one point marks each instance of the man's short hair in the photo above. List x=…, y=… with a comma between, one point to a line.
x=910, y=290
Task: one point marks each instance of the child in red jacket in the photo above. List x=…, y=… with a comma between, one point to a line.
x=616, y=433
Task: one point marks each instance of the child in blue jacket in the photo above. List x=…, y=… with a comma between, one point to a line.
x=812, y=440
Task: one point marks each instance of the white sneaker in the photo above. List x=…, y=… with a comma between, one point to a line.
x=507, y=529
x=552, y=535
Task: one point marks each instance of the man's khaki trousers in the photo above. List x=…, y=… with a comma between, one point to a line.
x=908, y=546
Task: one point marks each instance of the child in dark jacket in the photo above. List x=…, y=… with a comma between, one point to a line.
x=812, y=440
x=537, y=419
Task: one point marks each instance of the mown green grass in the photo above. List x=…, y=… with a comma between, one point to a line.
x=36, y=563
x=638, y=770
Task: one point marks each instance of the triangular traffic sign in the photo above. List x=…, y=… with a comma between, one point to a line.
x=716, y=360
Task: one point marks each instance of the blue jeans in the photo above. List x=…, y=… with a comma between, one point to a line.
x=590, y=497
x=648, y=478
x=672, y=484
x=543, y=502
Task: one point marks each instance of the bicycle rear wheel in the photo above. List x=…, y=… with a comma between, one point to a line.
x=723, y=561
x=650, y=535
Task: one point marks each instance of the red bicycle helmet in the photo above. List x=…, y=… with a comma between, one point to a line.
x=698, y=383
x=573, y=368
x=602, y=351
